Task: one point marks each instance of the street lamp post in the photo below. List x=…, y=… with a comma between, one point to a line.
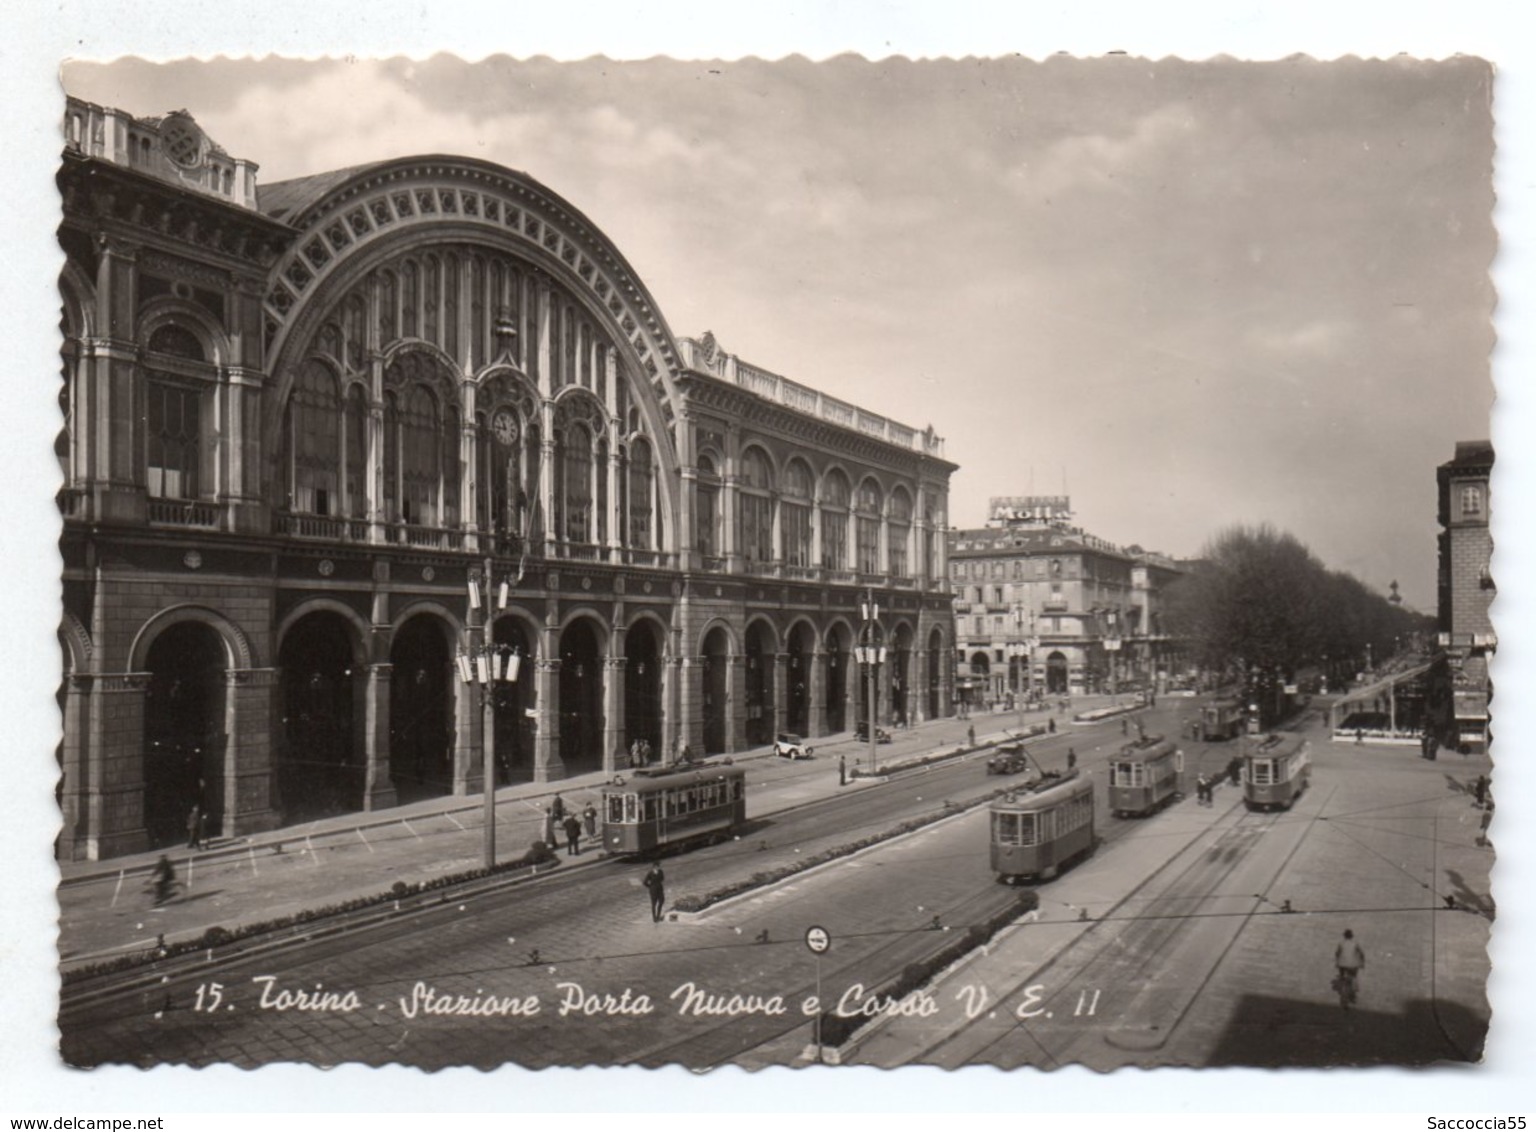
x=871, y=656
x=485, y=664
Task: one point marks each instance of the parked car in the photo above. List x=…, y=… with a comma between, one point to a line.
x=861, y=733
x=791, y=746
x=1008, y=760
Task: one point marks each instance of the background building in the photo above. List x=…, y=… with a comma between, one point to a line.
x=1044, y=608
x=304, y=420
x=1466, y=588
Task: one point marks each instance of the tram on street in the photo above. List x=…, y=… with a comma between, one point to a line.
x=1144, y=776
x=1275, y=772
x=662, y=807
x=1041, y=829
x=1222, y=718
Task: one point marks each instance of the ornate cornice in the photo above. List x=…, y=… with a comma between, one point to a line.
x=102, y=197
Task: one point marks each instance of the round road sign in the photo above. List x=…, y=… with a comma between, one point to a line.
x=818, y=939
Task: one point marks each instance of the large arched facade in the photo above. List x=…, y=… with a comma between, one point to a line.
x=300, y=425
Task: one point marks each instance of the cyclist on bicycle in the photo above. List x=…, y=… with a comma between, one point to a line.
x=1349, y=957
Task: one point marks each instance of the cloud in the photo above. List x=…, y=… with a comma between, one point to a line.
x=1103, y=161
x=1317, y=337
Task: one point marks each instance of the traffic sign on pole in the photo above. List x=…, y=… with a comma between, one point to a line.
x=817, y=939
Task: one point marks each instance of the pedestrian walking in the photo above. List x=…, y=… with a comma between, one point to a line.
x=557, y=808
x=1482, y=836
x=655, y=884
x=842, y=770
x=1235, y=770
x=1203, y=790
x=589, y=816
x=549, y=828
x=1480, y=790
x=572, y=836
x=1050, y=725
x=970, y=736
x=1359, y=736
x=635, y=760
x=195, y=827
x=162, y=881
x=645, y=752
x=1071, y=758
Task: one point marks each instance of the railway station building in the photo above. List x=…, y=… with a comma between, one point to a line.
x=326, y=437
x=1043, y=608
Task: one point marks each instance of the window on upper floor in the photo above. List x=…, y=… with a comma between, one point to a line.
x=174, y=440
x=1472, y=500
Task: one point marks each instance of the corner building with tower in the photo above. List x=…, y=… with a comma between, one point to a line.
x=303, y=422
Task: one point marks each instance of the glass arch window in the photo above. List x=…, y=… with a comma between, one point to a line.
x=835, y=497
x=576, y=493
x=795, y=514
x=755, y=504
x=420, y=437
x=638, y=480
x=314, y=417
x=900, y=533
x=706, y=512
x=868, y=534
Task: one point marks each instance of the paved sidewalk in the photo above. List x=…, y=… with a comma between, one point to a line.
x=106, y=911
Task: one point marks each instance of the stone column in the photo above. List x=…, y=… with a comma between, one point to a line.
x=614, y=672
x=114, y=816
x=244, y=781
x=74, y=752
x=817, y=659
x=688, y=728
x=776, y=718
x=378, y=786
x=548, y=766
x=736, y=703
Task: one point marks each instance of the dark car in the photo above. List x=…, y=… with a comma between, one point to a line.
x=861, y=733
x=1008, y=760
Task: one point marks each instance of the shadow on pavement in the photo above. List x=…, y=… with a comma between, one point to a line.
x=1267, y=1031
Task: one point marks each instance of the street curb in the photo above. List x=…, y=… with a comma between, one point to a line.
x=691, y=917
x=289, y=835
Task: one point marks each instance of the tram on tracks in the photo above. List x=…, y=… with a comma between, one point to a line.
x=1042, y=828
x=1222, y=718
x=1144, y=776
x=1275, y=772
x=663, y=807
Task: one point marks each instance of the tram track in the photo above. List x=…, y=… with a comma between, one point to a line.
x=1198, y=880
x=338, y=933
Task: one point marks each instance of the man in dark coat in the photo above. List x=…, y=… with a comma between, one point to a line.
x=655, y=883
x=572, y=835
x=557, y=807
x=195, y=827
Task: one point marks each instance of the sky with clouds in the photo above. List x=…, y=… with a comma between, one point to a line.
x=1195, y=294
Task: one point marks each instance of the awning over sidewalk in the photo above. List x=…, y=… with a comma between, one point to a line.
x=1367, y=697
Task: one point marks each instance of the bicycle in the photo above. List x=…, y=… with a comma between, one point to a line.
x=1347, y=984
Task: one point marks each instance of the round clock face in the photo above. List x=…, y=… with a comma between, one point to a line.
x=182, y=140
x=504, y=425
